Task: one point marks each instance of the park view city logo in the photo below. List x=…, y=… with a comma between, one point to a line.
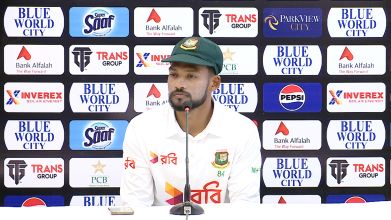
x=95, y=172
x=34, y=59
x=99, y=59
x=95, y=200
x=97, y=135
x=356, y=22
x=33, y=97
x=356, y=134
x=149, y=95
x=163, y=22
x=148, y=59
x=292, y=22
x=290, y=60
x=356, y=198
x=292, y=135
x=99, y=22
x=291, y=172
x=34, y=135
x=99, y=97
x=356, y=60
x=34, y=172
x=228, y=22
x=356, y=97
x=291, y=199
x=33, y=21
x=240, y=97
x=292, y=97
x=239, y=59
x=356, y=172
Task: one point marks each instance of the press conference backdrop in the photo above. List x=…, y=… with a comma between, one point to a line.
x=313, y=75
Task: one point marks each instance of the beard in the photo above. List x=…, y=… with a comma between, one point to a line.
x=180, y=104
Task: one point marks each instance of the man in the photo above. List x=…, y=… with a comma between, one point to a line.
x=224, y=146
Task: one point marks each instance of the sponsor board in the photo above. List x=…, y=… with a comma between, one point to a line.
x=239, y=59
x=33, y=97
x=34, y=172
x=148, y=59
x=99, y=22
x=95, y=172
x=358, y=198
x=291, y=172
x=33, y=21
x=292, y=135
x=228, y=22
x=33, y=200
x=356, y=134
x=291, y=199
x=288, y=60
x=99, y=59
x=356, y=60
x=149, y=95
x=97, y=135
x=356, y=97
x=356, y=22
x=160, y=22
x=30, y=60
x=240, y=97
x=99, y=97
x=356, y=172
x=96, y=200
x=34, y=135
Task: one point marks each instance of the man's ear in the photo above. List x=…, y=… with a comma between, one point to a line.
x=215, y=83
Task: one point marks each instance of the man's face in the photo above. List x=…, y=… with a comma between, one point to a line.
x=187, y=82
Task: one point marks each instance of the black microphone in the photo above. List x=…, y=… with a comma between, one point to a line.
x=187, y=207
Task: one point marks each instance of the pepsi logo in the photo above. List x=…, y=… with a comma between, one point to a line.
x=292, y=97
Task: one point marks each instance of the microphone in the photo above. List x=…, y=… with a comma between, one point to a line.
x=187, y=207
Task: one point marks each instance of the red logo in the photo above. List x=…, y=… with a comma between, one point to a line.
x=34, y=201
x=282, y=129
x=346, y=54
x=129, y=163
x=154, y=91
x=24, y=53
x=355, y=199
x=281, y=200
x=154, y=16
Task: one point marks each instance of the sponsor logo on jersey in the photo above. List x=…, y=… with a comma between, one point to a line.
x=33, y=21
x=34, y=135
x=210, y=193
x=292, y=22
x=356, y=22
x=160, y=22
x=99, y=22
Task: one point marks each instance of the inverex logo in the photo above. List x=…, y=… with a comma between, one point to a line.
x=33, y=97
x=240, y=97
x=228, y=22
x=34, y=135
x=99, y=22
x=291, y=172
x=292, y=60
x=96, y=200
x=356, y=172
x=149, y=95
x=291, y=199
x=99, y=97
x=34, y=59
x=292, y=135
x=356, y=97
x=148, y=59
x=34, y=172
x=356, y=60
x=95, y=172
x=97, y=135
x=292, y=22
x=356, y=22
x=356, y=134
x=292, y=97
x=239, y=59
x=99, y=59
x=160, y=22
x=33, y=21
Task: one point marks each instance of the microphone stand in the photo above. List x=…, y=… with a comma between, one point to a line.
x=187, y=207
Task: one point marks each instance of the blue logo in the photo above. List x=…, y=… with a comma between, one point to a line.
x=293, y=97
x=28, y=201
x=355, y=198
x=292, y=22
x=97, y=135
x=99, y=22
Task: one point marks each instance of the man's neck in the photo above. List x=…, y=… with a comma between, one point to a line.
x=198, y=118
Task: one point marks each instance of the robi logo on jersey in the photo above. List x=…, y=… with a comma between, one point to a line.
x=292, y=97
